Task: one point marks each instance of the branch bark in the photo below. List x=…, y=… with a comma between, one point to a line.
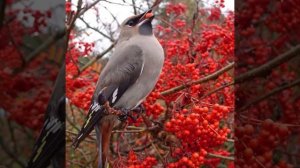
x=261, y=69
x=2, y=12
x=199, y=81
x=96, y=30
x=94, y=59
x=221, y=156
x=271, y=93
x=88, y=7
x=134, y=7
x=50, y=41
x=269, y=65
x=11, y=154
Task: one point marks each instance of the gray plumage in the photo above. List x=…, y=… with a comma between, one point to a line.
x=129, y=76
x=137, y=61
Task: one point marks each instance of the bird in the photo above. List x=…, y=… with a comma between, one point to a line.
x=129, y=76
x=50, y=145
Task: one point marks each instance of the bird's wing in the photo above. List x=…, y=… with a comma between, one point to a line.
x=121, y=71
x=50, y=141
x=52, y=137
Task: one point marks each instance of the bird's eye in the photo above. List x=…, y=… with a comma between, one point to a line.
x=130, y=23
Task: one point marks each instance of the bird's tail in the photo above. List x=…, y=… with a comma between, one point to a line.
x=49, y=142
x=103, y=133
x=95, y=114
x=99, y=146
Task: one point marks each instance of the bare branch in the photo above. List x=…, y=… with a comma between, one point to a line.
x=271, y=93
x=96, y=30
x=261, y=70
x=221, y=156
x=199, y=81
x=155, y=4
x=113, y=16
x=11, y=154
x=86, y=8
x=134, y=7
x=51, y=40
x=94, y=59
x=2, y=12
x=217, y=89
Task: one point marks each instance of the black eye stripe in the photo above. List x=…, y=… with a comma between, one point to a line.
x=132, y=22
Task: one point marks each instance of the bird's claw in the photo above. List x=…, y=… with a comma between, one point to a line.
x=139, y=109
x=123, y=114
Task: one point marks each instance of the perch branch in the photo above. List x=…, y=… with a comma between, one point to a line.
x=199, y=81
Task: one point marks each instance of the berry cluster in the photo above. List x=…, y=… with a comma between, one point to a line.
x=25, y=86
x=265, y=128
x=197, y=121
x=134, y=162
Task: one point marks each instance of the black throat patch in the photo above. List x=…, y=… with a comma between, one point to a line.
x=146, y=28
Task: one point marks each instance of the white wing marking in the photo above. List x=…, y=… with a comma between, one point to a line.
x=115, y=95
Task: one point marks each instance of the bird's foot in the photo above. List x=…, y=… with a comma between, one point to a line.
x=139, y=109
x=122, y=113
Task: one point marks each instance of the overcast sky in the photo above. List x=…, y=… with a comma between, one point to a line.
x=105, y=11
x=121, y=12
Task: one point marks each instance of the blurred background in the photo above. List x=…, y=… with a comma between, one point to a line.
x=31, y=54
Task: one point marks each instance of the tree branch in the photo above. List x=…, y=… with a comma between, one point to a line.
x=94, y=59
x=199, y=81
x=155, y=4
x=217, y=89
x=72, y=20
x=134, y=7
x=271, y=93
x=261, y=69
x=2, y=12
x=96, y=30
x=11, y=154
x=88, y=7
x=221, y=156
x=269, y=65
x=51, y=40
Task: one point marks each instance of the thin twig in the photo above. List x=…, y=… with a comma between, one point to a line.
x=86, y=8
x=94, y=59
x=12, y=154
x=258, y=122
x=96, y=30
x=155, y=4
x=221, y=156
x=158, y=153
x=113, y=16
x=2, y=12
x=217, y=89
x=199, y=81
x=134, y=7
x=71, y=22
x=261, y=70
x=271, y=93
x=51, y=40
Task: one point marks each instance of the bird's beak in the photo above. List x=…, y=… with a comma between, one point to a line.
x=147, y=16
